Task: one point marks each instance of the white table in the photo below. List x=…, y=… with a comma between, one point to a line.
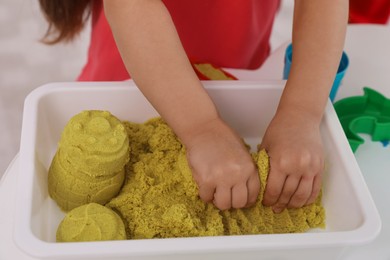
x=368, y=48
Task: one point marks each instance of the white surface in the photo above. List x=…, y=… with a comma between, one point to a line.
x=374, y=161
x=351, y=216
x=368, y=47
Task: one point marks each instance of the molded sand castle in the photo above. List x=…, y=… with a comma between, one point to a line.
x=89, y=163
x=159, y=198
x=91, y=222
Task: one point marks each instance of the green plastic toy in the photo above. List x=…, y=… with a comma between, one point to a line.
x=367, y=114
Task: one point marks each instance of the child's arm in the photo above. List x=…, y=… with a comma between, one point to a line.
x=152, y=52
x=293, y=138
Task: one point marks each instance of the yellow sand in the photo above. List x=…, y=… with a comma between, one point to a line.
x=91, y=222
x=210, y=72
x=159, y=198
x=89, y=163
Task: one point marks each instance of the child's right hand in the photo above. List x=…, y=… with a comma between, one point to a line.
x=222, y=167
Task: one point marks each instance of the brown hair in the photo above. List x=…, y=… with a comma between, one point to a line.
x=66, y=18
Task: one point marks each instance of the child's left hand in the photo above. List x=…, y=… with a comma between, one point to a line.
x=293, y=143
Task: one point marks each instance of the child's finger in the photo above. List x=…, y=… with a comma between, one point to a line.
x=301, y=195
x=223, y=197
x=317, y=183
x=289, y=188
x=274, y=187
x=206, y=192
x=239, y=195
x=253, y=185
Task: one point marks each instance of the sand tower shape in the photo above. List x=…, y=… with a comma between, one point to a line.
x=88, y=165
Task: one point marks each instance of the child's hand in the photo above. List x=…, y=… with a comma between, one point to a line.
x=222, y=167
x=294, y=146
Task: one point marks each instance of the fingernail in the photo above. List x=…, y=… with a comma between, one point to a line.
x=277, y=210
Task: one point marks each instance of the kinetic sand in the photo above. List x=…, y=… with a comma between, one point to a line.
x=89, y=163
x=159, y=198
x=91, y=222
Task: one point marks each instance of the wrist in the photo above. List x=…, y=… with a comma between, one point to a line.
x=299, y=114
x=301, y=103
x=214, y=126
x=191, y=132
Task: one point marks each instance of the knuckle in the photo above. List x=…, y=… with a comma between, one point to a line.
x=305, y=158
x=240, y=167
x=282, y=163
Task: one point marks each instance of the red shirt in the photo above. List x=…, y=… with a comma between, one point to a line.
x=369, y=11
x=225, y=33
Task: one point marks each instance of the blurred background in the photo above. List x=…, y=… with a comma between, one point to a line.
x=25, y=64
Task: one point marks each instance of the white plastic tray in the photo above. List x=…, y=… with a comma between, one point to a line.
x=352, y=218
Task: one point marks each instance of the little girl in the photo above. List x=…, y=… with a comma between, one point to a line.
x=154, y=41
